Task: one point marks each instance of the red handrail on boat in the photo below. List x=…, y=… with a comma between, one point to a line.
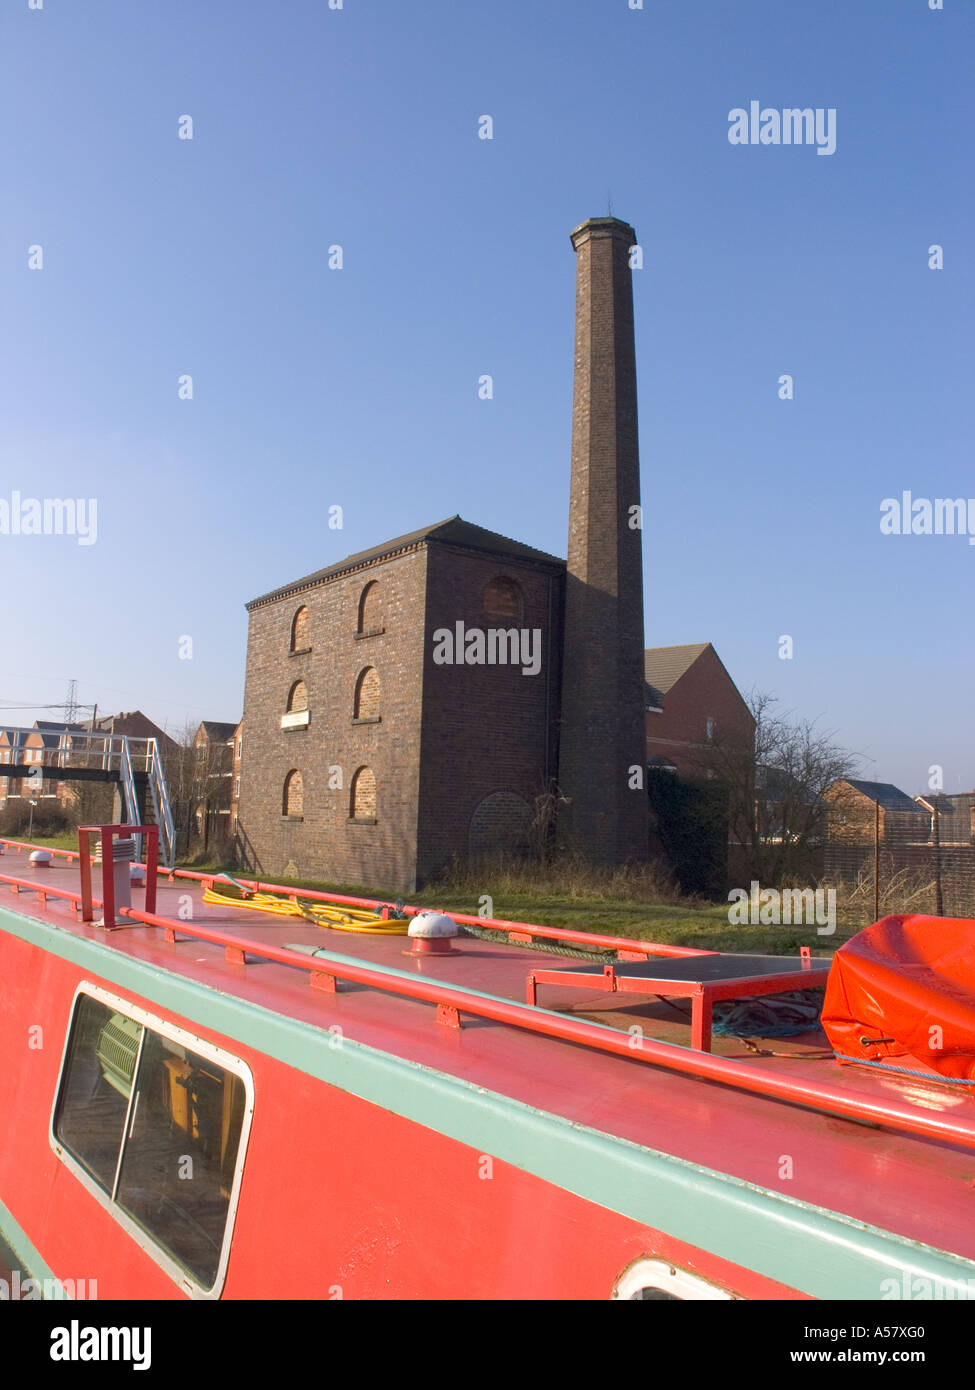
x=702, y=1065
x=451, y=1000
x=525, y=931
x=18, y=845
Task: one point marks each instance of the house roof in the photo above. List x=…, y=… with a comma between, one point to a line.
x=948, y=803
x=106, y=723
x=454, y=531
x=51, y=731
x=115, y=723
x=777, y=784
x=59, y=726
x=888, y=796
x=218, y=732
x=664, y=666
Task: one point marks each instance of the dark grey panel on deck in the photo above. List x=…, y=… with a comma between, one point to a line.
x=700, y=969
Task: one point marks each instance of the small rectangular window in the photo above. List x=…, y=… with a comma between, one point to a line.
x=157, y=1128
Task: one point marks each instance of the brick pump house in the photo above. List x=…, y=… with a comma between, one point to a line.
x=412, y=702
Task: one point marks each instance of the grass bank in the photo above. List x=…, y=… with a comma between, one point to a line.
x=641, y=903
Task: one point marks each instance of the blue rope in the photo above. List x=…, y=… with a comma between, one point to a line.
x=907, y=1071
x=768, y=1016
x=239, y=886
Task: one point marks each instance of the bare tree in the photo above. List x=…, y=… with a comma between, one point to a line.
x=183, y=776
x=541, y=829
x=777, y=817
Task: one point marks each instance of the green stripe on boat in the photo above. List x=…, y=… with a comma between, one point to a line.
x=819, y=1252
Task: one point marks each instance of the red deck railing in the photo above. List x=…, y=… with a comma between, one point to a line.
x=628, y=948
x=451, y=1001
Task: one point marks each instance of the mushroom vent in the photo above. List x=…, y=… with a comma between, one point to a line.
x=431, y=933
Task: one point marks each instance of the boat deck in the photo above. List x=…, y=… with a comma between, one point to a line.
x=916, y=1185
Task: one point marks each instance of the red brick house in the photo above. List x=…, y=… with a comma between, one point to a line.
x=42, y=746
x=858, y=809
x=134, y=724
x=236, y=763
x=214, y=746
x=952, y=816
x=690, y=699
x=13, y=750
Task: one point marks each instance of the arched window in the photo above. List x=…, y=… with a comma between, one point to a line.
x=503, y=598
x=366, y=704
x=297, y=697
x=362, y=802
x=300, y=631
x=501, y=821
x=370, y=609
x=293, y=801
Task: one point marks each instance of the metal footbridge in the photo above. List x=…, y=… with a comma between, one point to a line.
x=135, y=764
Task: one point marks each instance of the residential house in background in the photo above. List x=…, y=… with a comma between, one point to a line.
x=42, y=746
x=11, y=751
x=134, y=724
x=214, y=750
x=235, y=776
x=693, y=710
x=691, y=699
x=858, y=809
x=952, y=817
x=58, y=743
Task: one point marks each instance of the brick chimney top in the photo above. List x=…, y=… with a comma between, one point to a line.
x=601, y=227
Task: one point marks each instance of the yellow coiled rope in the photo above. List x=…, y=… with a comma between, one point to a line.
x=352, y=919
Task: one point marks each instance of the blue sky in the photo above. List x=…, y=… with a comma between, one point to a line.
x=357, y=387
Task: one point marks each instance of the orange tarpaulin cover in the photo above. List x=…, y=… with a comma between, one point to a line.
x=910, y=979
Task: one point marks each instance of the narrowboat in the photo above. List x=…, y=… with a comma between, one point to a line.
x=223, y=1089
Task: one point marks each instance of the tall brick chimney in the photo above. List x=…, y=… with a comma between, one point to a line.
x=603, y=729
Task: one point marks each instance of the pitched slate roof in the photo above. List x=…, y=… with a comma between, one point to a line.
x=664, y=666
x=51, y=730
x=218, y=732
x=454, y=531
x=948, y=803
x=891, y=798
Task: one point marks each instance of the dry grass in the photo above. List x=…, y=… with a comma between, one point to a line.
x=570, y=878
x=908, y=890
x=642, y=901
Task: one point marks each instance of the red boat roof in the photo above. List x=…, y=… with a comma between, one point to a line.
x=916, y=1185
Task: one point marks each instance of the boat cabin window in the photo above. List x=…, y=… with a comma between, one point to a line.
x=656, y=1279
x=154, y=1121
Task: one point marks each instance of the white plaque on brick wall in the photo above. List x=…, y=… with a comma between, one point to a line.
x=295, y=719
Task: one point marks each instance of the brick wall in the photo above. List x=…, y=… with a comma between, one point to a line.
x=326, y=842
x=486, y=729
x=854, y=817
x=236, y=762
